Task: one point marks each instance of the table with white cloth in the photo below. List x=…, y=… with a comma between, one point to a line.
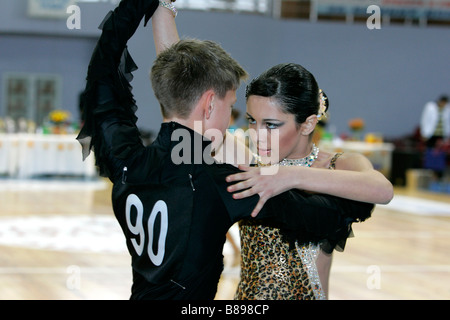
x=379, y=154
x=31, y=155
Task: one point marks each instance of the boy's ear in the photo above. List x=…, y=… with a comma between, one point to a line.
x=207, y=103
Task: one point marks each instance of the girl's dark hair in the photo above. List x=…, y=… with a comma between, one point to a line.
x=294, y=87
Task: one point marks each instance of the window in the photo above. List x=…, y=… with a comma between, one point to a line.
x=30, y=96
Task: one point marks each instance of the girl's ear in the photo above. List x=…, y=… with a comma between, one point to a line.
x=309, y=125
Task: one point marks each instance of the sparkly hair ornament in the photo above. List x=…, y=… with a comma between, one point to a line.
x=323, y=107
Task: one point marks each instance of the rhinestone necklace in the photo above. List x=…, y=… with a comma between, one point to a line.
x=303, y=162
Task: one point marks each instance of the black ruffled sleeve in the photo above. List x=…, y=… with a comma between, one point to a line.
x=301, y=217
x=107, y=102
x=316, y=218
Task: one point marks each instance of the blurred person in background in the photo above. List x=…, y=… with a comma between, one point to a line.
x=435, y=130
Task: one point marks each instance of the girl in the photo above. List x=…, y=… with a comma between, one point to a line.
x=286, y=98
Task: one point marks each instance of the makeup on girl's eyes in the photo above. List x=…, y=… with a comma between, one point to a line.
x=250, y=120
x=270, y=123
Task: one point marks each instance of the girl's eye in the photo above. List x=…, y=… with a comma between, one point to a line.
x=251, y=120
x=272, y=125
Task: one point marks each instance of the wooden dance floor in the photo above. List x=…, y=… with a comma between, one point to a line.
x=60, y=241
